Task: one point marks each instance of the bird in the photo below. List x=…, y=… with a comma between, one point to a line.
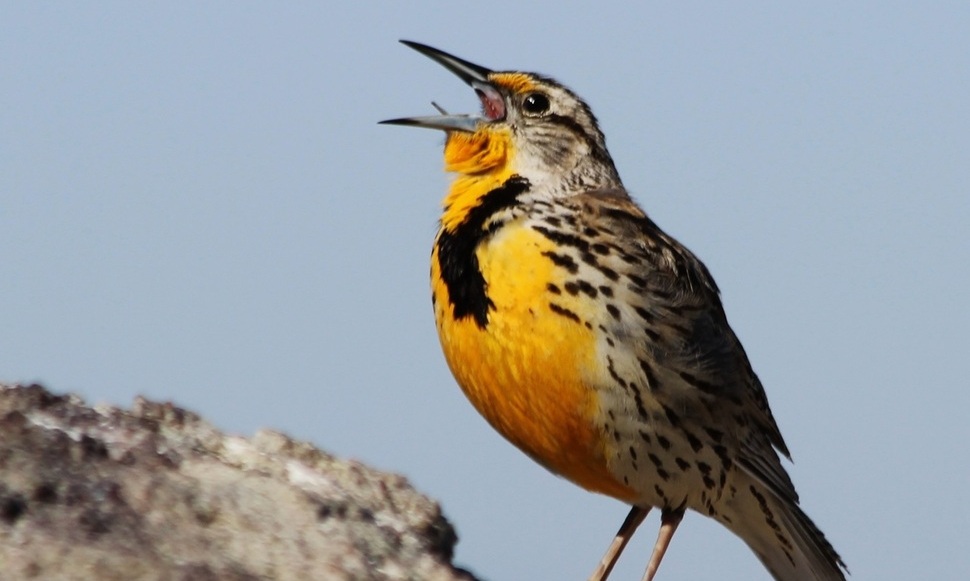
x=591, y=339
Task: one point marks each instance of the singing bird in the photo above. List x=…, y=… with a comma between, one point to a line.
x=591, y=339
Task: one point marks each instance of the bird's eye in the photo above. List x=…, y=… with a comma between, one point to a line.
x=535, y=103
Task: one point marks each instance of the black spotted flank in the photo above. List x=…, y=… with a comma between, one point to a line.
x=580, y=286
x=694, y=441
x=672, y=417
x=638, y=400
x=456, y=252
x=660, y=493
x=562, y=238
x=609, y=273
x=638, y=281
x=644, y=314
x=616, y=376
x=722, y=453
x=560, y=310
x=652, y=383
x=614, y=312
x=562, y=260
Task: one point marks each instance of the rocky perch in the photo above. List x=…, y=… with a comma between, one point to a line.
x=155, y=492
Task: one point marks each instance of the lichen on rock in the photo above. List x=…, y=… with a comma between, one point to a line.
x=156, y=492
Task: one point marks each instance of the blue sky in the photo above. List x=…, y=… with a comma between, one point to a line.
x=197, y=204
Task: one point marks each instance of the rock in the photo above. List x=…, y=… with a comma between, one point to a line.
x=156, y=493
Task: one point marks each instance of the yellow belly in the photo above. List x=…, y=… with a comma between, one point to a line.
x=526, y=371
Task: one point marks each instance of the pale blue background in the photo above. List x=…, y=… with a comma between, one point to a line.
x=197, y=204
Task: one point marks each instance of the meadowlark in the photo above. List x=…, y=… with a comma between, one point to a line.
x=591, y=339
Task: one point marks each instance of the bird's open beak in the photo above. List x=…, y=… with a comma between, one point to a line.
x=493, y=103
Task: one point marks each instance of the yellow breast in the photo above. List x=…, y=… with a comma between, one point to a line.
x=525, y=370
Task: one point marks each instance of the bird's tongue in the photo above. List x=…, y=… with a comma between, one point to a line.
x=493, y=106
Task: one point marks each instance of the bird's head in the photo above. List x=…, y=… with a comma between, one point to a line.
x=529, y=125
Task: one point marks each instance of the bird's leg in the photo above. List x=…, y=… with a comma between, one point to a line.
x=669, y=520
x=629, y=526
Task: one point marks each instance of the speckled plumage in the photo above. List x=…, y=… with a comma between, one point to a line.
x=592, y=340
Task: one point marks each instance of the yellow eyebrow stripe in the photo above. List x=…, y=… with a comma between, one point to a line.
x=515, y=82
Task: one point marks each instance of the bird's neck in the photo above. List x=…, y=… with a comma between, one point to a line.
x=483, y=162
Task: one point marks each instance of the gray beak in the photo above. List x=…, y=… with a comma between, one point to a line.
x=474, y=75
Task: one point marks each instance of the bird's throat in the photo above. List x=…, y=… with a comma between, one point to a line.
x=482, y=162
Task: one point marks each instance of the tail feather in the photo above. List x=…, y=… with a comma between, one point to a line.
x=786, y=540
